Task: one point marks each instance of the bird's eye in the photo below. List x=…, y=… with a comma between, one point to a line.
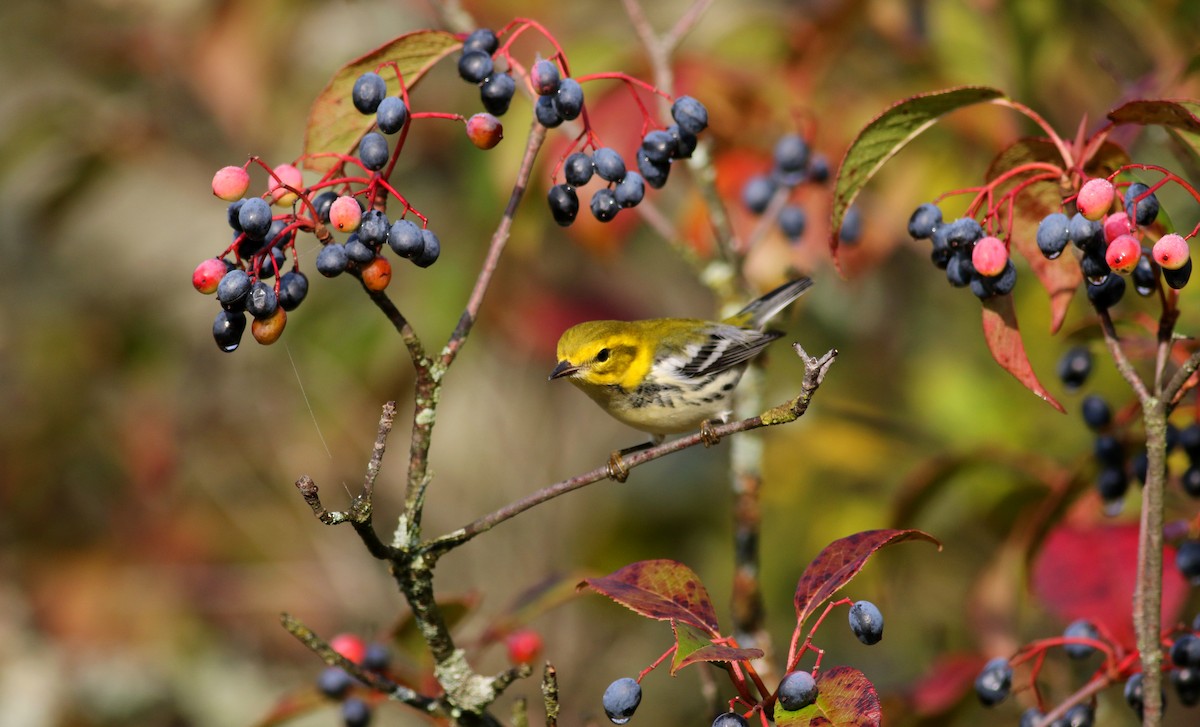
x=602, y=356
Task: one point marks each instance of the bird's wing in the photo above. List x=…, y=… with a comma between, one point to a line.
x=726, y=347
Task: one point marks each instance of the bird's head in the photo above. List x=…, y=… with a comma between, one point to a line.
x=603, y=353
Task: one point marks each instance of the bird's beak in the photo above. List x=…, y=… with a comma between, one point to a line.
x=564, y=368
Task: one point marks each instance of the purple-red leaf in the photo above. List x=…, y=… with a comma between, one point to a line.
x=845, y=698
x=660, y=589
x=1004, y=341
x=1160, y=112
x=840, y=561
x=693, y=645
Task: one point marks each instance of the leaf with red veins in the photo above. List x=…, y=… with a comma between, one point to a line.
x=1004, y=341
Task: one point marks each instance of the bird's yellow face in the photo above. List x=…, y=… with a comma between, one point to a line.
x=603, y=353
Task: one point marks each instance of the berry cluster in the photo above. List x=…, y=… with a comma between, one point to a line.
x=971, y=257
x=477, y=65
x=794, y=164
x=336, y=683
x=624, y=187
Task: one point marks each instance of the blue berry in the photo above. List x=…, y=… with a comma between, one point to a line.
x=254, y=217
x=1147, y=209
x=268, y=265
x=545, y=77
x=358, y=251
x=994, y=682
x=659, y=146
x=1074, y=367
x=261, y=301
x=1185, y=651
x=1053, y=234
x=1187, y=685
x=851, y=229
x=1096, y=412
x=757, y=193
x=961, y=233
x=474, y=66
x=818, y=168
x=431, y=249
x=924, y=220
x=568, y=100
x=1031, y=717
x=377, y=657
x=481, y=39
x=1001, y=284
x=1178, y=278
x=729, y=719
x=233, y=289
x=496, y=93
x=621, y=699
x=866, y=622
x=231, y=215
x=1189, y=439
x=369, y=90
x=685, y=142
x=1085, y=233
x=1080, y=715
x=792, y=221
x=547, y=113
x=1190, y=481
x=1107, y=292
x=564, y=204
x=1080, y=629
x=1140, y=464
x=578, y=169
x=373, y=228
x=1108, y=450
x=405, y=239
x=373, y=151
x=228, y=328
x=1135, y=694
x=391, y=114
x=609, y=164
x=1187, y=560
x=797, y=690
x=321, y=203
x=293, y=289
x=604, y=205
x=690, y=114
x=332, y=260
x=960, y=270
x=654, y=173
x=630, y=190
x=355, y=713
x=334, y=681
x=791, y=158
x=1144, y=276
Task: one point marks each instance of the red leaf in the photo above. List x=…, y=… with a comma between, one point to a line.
x=945, y=684
x=693, y=645
x=1162, y=112
x=845, y=698
x=660, y=589
x=1004, y=341
x=1090, y=572
x=840, y=561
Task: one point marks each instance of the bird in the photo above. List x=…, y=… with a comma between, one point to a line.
x=668, y=375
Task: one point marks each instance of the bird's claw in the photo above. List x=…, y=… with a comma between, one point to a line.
x=617, y=469
x=708, y=435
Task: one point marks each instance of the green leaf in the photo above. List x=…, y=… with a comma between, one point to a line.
x=693, y=645
x=665, y=590
x=845, y=698
x=1004, y=341
x=887, y=134
x=334, y=125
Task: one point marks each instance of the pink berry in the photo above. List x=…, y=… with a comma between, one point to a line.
x=345, y=214
x=1115, y=225
x=1123, y=253
x=350, y=646
x=524, y=646
x=208, y=274
x=989, y=256
x=1171, y=252
x=230, y=183
x=484, y=130
x=290, y=176
x=1095, y=198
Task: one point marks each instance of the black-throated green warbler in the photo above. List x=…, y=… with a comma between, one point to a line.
x=669, y=375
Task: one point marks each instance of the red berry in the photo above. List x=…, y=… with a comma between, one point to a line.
x=230, y=183
x=208, y=274
x=484, y=130
x=268, y=330
x=377, y=274
x=290, y=176
x=345, y=214
x=1171, y=252
x=1115, y=225
x=1123, y=253
x=524, y=646
x=1095, y=197
x=989, y=256
x=350, y=646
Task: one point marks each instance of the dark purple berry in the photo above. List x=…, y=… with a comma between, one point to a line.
x=231, y=215
x=994, y=682
x=373, y=151
x=961, y=233
x=866, y=622
x=818, y=168
x=1031, y=717
x=1086, y=234
x=405, y=239
x=621, y=699
x=659, y=146
x=604, y=205
x=1080, y=629
x=431, y=249
x=1074, y=367
x=355, y=712
x=1189, y=439
x=1053, y=234
x=547, y=113
x=293, y=289
x=391, y=114
x=791, y=159
x=924, y=220
x=322, y=203
x=792, y=221
x=475, y=65
x=655, y=174
x=729, y=719
x=1187, y=559
x=1179, y=277
x=233, y=289
x=228, y=328
x=254, y=217
x=690, y=114
x=630, y=190
x=545, y=77
x=369, y=91
x=851, y=230
x=1112, y=483
x=496, y=93
x=481, y=39
x=685, y=143
x=609, y=164
x=373, y=228
x=1140, y=464
x=377, y=657
x=797, y=690
x=960, y=270
x=1107, y=293
x=270, y=264
x=334, y=682
x=1187, y=685
x=1107, y=448
x=577, y=169
x=1080, y=715
x=564, y=204
x=261, y=301
x=1096, y=412
x=757, y=193
x=358, y=251
x=1147, y=209
x=1144, y=276
x=568, y=100
x=332, y=260
x=1185, y=651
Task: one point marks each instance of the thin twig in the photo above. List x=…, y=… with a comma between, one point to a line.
x=1121, y=360
x=550, y=694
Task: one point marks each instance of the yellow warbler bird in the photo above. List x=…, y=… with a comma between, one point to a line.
x=668, y=375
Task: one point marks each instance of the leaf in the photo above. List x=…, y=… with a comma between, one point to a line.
x=887, y=134
x=945, y=683
x=334, y=125
x=1090, y=572
x=845, y=698
x=693, y=645
x=1158, y=112
x=1004, y=341
x=660, y=589
x=840, y=561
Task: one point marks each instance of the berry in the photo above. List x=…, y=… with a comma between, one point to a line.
x=355, y=713
x=1178, y=278
x=373, y=229
x=797, y=690
x=261, y=301
x=630, y=190
x=373, y=151
x=609, y=164
x=792, y=221
x=1147, y=208
x=496, y=93
x=851, y=229
x=289, y=176
x=1094, y=265
x=228, y=328
x=431, y=249
x=1189, y=439
x=293, y=289
x=659, y=146
x=654, y=173
x=1107, y=292
x=350, y=646
x=1096, y=413
x=1080, y=629
x=321, y=203
x=1140, y=464
x=369, y=90
x=332, y=260
x=1002, y=284
x=1052, y=234
x=989, y=256
x=924, y=220
x=568, y=100
x=392, y=114
x=604, y=205
x=481, y=39
x=345, y=214
x=484, y=130
x=230, y=183
x=818, y=168
x=474, y=66
x=1186, y=651
x=1145, y=277
x=1187, y=560
x=1187, y=685
x=1095, y=197
x=564, y=204
x=1080, y=715
x=1108, y=451
x=1123, y=254
x=1031, y=717
x=1171, y=252
x=1135, y=693
x=621, y=699
x=405, y=239
x=254, y=217
x=577, y=169
x=866, y=622
x=1084, y=232
x=334, y=682
x=685, y=142
x=994, y=682
x=1115, y=225
x=961, y=233
x=729, y=719
x=377, y=657
x=1074, y=367
x=960, y=270
x=377, y=274
x=547, y=113
x=523, y=646
x=757, y=193
x=268, y=330
x=545, y=77
x=1191, y=481
x=208, y=274
x=690, y=114
x=791, y=159
x=231, y=215
x=232, y=290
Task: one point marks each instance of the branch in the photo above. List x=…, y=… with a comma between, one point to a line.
x=815, y=370
x=1123, y=364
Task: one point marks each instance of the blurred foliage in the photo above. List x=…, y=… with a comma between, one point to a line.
x=149, y=530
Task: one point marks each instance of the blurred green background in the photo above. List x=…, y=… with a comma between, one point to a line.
x=150, y=533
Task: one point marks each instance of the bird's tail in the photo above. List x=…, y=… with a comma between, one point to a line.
x=761, y=310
